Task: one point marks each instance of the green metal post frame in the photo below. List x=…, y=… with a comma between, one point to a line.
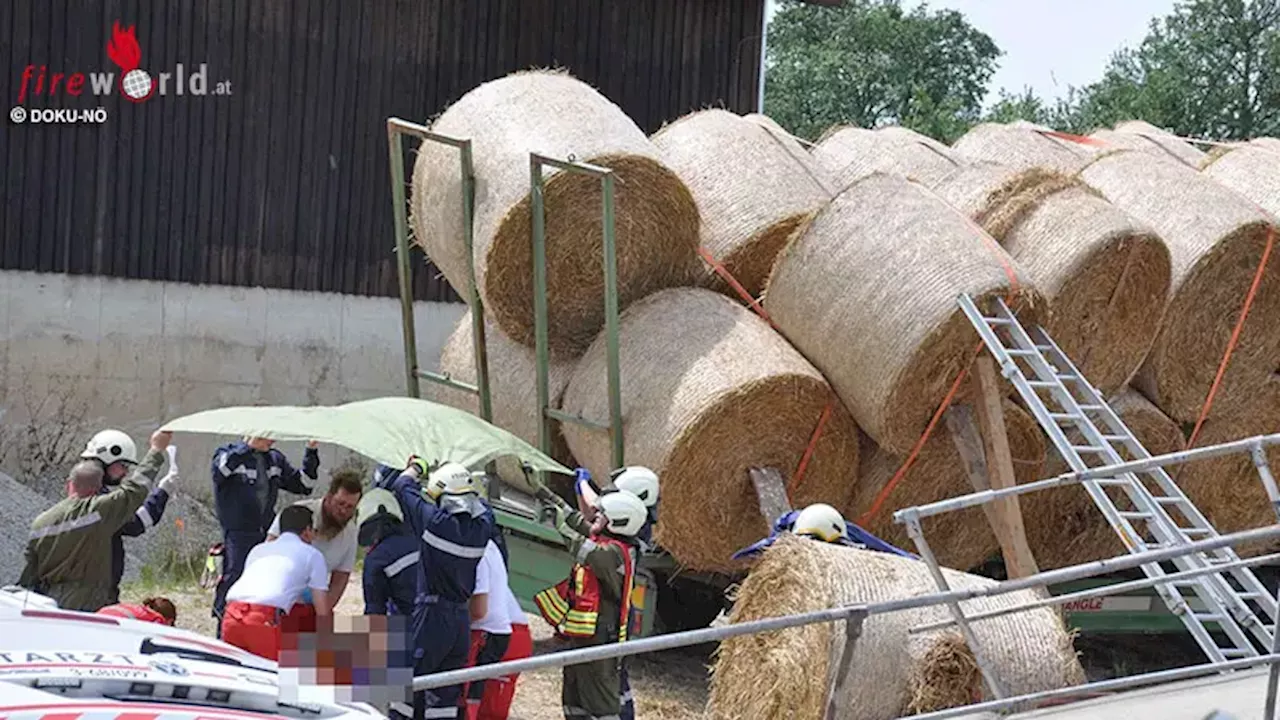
x=396, y=129
x=545, y=412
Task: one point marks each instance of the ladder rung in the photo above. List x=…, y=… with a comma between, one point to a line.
x=1109, y=481
x=1136, y=515
x=1066, y=416
x=996, y=320
x=1092, y=407
x=1196, y=531
x=1042, y=383
x=1022, y=353
x=1066, y=376
x=1090, y=448
x=1207, y=617
x=1116, y=438
x=1044, y=348
x=1236, y=653
x=1167, y=499
x=1252, y=596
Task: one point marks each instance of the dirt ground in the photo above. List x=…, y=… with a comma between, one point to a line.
x=667, y=686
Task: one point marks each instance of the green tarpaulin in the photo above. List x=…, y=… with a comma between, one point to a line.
x=388, y=430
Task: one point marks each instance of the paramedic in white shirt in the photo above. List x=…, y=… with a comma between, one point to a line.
x=275, y=576
x=335, y=536
x=490, y=621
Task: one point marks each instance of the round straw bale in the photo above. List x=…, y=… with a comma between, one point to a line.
x=1228, y=489
x=868, y=294
x=552, y=113
x=1267, y=143
x=747, y=218
x=709, y=391
x=1105, y=274
x=513, y=389
x=852, y=153
x=1021, y=147
x=1252, y=171
x=786, y=674
x=1070, y=529
x=1215, y=239
x=962, y=539
x=1139, y=135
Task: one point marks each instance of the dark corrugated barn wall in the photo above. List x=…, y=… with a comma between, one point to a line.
x=283, y=183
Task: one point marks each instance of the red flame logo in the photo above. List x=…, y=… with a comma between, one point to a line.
x=123, y=48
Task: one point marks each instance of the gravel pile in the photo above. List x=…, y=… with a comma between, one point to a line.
x=20, y=505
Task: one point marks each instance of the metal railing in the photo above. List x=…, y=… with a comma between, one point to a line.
x=546, y=413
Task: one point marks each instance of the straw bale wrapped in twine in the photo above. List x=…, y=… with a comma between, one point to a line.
x=513, y=389
x=1021, y=146
x=1069, y=527
x=852, y=153
x=753, y=191
x=868, y=294
x=710, y=392
x=1250, y=170
x=554, y=114
x=786, y=674
x=1105, y=274
x=1145, y=137
x=1215, y=238
x=962, y=539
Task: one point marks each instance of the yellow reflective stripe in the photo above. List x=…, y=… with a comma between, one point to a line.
x=551, y=606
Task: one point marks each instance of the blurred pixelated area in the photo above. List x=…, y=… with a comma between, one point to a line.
x=360, y=658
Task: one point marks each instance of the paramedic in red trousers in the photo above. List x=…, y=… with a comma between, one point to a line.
x=117, y=453
x=496, y=617
x=247, y=478
x=452, y=527
x=334, y=535
x=390, y=576
x=275, y=576
x=593, y=606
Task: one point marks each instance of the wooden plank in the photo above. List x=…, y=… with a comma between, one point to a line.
x=771, y=493
x=1019, y=562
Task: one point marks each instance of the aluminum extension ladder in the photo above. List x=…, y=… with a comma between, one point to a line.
x=1147, y=525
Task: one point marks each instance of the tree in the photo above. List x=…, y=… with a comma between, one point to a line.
x=1209, y=69
x=870, y=63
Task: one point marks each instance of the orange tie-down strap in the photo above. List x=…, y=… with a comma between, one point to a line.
x=728, y=277
x=1235, y=336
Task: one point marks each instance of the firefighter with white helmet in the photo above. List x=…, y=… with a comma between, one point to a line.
x=117, y=453
x=451, y=527
x=593, y=605
x=822, y=522
x=391, y=562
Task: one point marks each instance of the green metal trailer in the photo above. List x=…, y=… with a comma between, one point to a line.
x=669, y=598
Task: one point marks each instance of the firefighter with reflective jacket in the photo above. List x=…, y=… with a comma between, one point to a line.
x=391, y=562
x=643, y=483
x=593, y=606
x=452, y=528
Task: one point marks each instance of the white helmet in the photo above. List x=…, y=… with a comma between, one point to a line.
x=375, y=503
x=821, y=521
x=639, y=481
x=111, y=446
x=625, y=512
x=450, y=479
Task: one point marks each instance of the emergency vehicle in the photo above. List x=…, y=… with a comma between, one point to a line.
x=60, y=663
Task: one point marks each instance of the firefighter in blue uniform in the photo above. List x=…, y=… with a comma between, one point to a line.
x=391, y=562
x=247, y=478
x=452, y=527
x=117, y=453
x=643, y=483
x=824, y=523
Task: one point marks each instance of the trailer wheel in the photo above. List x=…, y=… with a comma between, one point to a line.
x=686, y=605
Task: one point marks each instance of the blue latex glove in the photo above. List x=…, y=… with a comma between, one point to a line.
x=583, y=478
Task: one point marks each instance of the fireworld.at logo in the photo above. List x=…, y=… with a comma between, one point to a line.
x=136, y=83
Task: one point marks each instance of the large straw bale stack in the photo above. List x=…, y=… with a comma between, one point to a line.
x=961, y=539
x=752, y=192
x=1143, y=136
x=1266, y=143
x=554, y=114
x=1251, y=170
x=786, y=674
x=1228, y=489
x=1105, y=274
x=868, y=294
x=710, y=391
x=513, y=388
x=1019, y=146
x=1215, y=239
x=786, y=138
x=852, y=153
x=1078, y=532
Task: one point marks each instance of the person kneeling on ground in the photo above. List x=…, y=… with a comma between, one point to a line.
x=274, y=578
x=153, y=609
x=593, y=606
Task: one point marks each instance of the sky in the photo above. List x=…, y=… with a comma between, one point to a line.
x=1052, y=44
